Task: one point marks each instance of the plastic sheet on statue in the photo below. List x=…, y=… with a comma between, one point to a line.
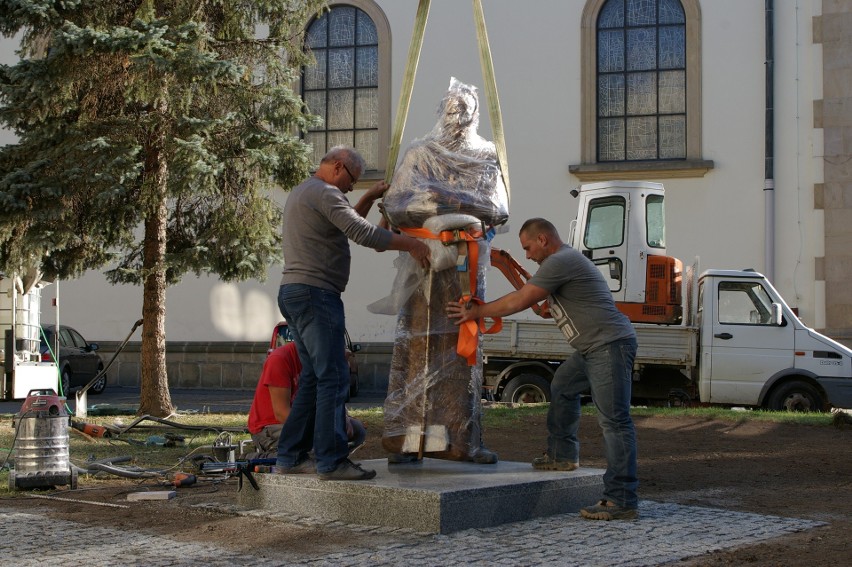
x=449, y=180
x=431, y=390
x=410, y=275
x=450, y=170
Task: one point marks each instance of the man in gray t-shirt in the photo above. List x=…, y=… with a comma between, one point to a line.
x=580, y=300
x=605, y=342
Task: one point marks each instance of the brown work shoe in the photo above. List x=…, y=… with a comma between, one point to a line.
x=605, y=510
x=484, y=456
x=347, y=470
x=305, y=466
x=548, y=463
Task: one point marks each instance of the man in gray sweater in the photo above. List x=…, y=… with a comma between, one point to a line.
x=319, y=221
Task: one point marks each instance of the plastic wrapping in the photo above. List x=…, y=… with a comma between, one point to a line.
x=410, y=275
x=447, y=181
x=451, y=170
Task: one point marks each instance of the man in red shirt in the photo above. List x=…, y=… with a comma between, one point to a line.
x=273, y=399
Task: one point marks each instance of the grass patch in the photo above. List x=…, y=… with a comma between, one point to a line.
x=143, y=441
x=505, y=415
x=737, y=415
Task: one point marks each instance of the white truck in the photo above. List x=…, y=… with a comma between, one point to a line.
x=21, y=367
x=726, y=337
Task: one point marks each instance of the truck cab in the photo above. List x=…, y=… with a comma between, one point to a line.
x=620, y=227
x=755, y=351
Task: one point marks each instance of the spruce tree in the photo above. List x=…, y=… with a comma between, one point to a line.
x=150, y=135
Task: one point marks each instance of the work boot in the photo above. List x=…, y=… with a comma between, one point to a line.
x=305, y=466
x=484, y=456
x=403, y=458
x=347, y=470
x=548, y=463
x=605, y=510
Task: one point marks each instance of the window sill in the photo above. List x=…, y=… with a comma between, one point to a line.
x=641, y=170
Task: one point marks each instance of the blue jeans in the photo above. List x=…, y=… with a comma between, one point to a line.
x=359, y=433
x=607, y=373
x=318, y=417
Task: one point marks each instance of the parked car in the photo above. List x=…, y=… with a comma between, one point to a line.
x=281, y=335
x=79, y=360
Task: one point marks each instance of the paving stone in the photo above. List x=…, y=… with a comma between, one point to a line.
x=665, y=533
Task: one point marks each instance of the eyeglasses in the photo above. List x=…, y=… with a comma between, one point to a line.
x=352, y=177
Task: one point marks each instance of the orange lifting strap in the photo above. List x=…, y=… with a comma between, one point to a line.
x=469, y=330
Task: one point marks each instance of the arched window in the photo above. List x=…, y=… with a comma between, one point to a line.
x=641, y=80
x=348, y=86
x=641, y=90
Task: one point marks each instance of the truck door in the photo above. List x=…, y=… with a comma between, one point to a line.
x=605, y=241
x=618, y=225
x=746, y=346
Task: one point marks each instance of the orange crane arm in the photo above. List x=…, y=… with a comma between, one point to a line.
x=513, y=271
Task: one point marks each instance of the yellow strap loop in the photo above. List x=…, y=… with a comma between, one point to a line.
x=407, y=86
x=488, y=76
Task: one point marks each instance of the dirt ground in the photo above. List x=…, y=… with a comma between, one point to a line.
x=767, y=468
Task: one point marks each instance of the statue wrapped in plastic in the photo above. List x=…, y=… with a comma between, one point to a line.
x=449, y=191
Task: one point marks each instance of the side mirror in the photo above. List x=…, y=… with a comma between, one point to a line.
x=777, y=317
x=93, y=347
x=356, y=347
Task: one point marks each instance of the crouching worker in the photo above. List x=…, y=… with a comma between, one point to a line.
x=273, y=398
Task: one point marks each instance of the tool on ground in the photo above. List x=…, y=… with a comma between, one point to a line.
x=224, y=449
x=91, y=429
x=241, y=468
x=183, y=479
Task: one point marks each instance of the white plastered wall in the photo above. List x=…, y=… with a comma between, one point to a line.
x=536, y=51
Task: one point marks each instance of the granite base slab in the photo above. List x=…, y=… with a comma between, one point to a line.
x=434, y=496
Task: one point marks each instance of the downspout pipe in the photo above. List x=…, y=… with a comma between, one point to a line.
x=769, y=161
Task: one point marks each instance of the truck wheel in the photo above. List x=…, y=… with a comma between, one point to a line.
x=678, y=399
x=526, y=389
x=795, y=396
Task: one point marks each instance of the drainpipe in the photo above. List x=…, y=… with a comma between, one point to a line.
x=769, y=164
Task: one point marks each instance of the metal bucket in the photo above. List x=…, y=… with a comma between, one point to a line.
x=41, y=443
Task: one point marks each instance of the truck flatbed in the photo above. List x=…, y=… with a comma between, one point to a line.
x=675, y=345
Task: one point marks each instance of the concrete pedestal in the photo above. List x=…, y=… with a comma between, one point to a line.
x=434, y=496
